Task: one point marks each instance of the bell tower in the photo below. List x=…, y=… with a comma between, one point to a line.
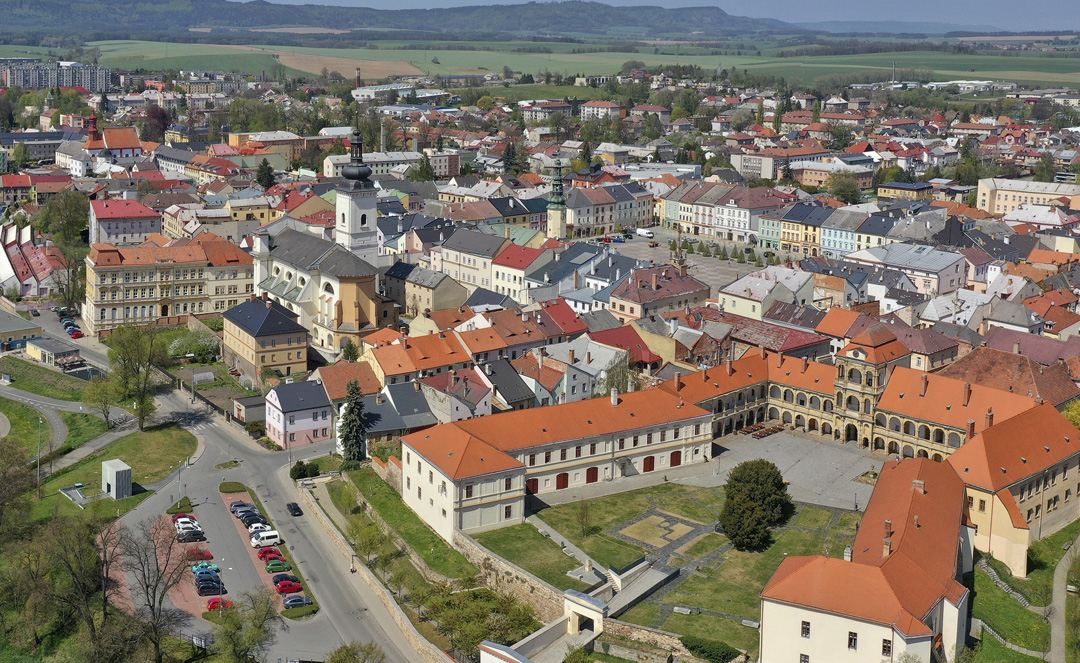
x=556, y=211
x=357, y=205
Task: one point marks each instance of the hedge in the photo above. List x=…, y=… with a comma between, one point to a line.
x=713, y=651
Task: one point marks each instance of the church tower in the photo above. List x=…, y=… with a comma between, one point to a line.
x=357, y=205
x=556, y=211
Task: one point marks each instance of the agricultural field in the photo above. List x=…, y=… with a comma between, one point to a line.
x=387, y=59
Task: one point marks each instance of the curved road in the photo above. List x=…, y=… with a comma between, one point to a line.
x=345, y=612
x=48, y=407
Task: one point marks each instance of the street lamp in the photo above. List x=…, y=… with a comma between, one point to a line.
x=39, y=422
x=179, y=485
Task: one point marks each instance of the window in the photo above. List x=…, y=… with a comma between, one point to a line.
x=547, y=456
x=562, y=453
x=532, y=459
x=292, y=437
x=852, y=640
x=804, y=658
x=648, y=439
x=971, y=501
x=430, y=477
x=408, y=483
x=508, y=483
x=663, y=435
x=577, y=451
x=468, y=490
x=508, y=512
x=592, y=449
x=982, y=506
x=635, y=440
x=806, y=629
x=886, y=647
x=419, y=492
x=697, y=429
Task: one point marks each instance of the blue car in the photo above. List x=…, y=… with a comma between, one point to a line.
x=618, y=239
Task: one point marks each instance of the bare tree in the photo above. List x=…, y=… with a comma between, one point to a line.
x=76, y=585
x=250, y=628
x=157, y=564
x=100, y=394
x=134, y=353
x=16, y=479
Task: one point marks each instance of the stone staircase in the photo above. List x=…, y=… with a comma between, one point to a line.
x=1002, y=584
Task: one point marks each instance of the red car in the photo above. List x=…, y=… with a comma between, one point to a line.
x=77, y=334
x=266, y=554
x=178, y=516
x=218, y=603
x=288, y=587
x=197, y=554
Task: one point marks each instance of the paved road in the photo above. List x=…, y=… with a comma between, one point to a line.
x=345, y=613
x=1058, y=625
x=48, y=407
x=91, y=350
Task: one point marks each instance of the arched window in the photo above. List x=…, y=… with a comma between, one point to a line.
x=867, y=406
x=363, y=220
x=789, y=396
x=954, y=440
x=853, y=404
x=801, y=399
x=855, y=375
x=879, y=420
x=343, y=219
x=894, y=424
x=869, y=379
x=939, y=436
x=924, y=432
x=827, y=406
x=329, y=289
x=815, y=403
x=774, y=392
x=909, y=428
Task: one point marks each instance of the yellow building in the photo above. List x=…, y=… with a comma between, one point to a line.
x=262, y=335
x=906, y=191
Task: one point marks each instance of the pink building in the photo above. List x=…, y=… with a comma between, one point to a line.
x=299, y=413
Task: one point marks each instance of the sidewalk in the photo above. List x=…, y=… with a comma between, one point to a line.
x=1058, y=626
x=561, y=540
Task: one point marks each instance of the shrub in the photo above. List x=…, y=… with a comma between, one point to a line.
x=298, y=471
x=255, y=427
x=713, y=651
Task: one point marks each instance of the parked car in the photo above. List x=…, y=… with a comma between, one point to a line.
x=288, y=587
x=178, y=516
x=282, y=577
x=184, y=522
x=240, y=505
x=276, y=565
x=206, y=576
x=605, y=239
x=65, y=319
x=208, y=566
x=77, y=334
x=34, y=312
x=654, y=244
x=251, y=515
x=210, y=589
x=258, y=527
x=294, y=509
x=268, y=552
x=618, y=239
x=254, y=520
x=296, y=601
x=188, y=527
x=190, y=536
x=197, y=554
x=217, y=603
x=247, y=511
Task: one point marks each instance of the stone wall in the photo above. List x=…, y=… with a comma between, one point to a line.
x=390, y=471
x=428, y=652
x=198, y=326
x=505, y=576
x=653, y=639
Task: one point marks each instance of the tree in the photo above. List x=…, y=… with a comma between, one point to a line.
x=559, y=125
x=485, y=103
x=357, y=652
x=265, y=174
x=815, y=116
x=756, y=500
x=1044, y=170
x=250, y=628
x=422, y=172
x=353, y=426
x=134, y=354
x=20, y=156
x=584, y=519
x=16, y=479
x=577, y=655
x=156, y=563
x=100, y=394
x=155, y=123
x=651, y=128
x=350, y=352
x=844, y=186
x=840, y=137
x=65, y=217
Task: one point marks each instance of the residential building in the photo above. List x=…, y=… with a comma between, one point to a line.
x=508, y=269
x=46, y=75
x=752, y=295
x=122, y=222
x=1002, y=196
x=381, y=163
x=905, y=191
x=601, y=110
x=262, y=336
x=298, y=413
x=655, y=291
x=934, y=272
x=467, y=255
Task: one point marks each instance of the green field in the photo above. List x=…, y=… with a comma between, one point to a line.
x=496, y=55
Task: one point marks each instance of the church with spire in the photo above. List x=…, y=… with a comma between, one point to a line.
x=556, y=210
x=356, y=212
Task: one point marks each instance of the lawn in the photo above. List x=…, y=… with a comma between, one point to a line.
x=734, y=586
x=42, y=381
x=642, y=614
x=716, y=628
x=1005, y=615
x=82, y=428
x=812, y=517
x=1043, y=558
x=702, y=506
x=24, y=425
x=703, y=545
x=525, y=546
x=992, y=651
x=152, y=455
x=438, y=555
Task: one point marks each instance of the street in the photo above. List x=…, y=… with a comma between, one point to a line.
x=344, y=613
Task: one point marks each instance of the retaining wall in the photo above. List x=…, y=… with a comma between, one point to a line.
x=505, y=576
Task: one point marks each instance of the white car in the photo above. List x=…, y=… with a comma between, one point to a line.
x=259, y=527
x=185, y=523
x=181, y=528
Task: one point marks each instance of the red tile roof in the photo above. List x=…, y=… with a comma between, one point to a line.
x=122, y=209
x=337, y=376
x=627, y=338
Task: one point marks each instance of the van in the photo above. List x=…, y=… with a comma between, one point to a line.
x=267, y=538
x=645, y=232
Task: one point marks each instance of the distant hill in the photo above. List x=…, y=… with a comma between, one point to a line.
x=893, y=27
x=557, y=17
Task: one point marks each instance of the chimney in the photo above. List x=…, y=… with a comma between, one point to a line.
x=614, y=397
x=989, y=417
x=453, y=378
x=269, y=304
x=266, y=296
x=655, y=281
x=886, y=549
x=682, y=270
x=571, y=356
x=524, y=316
x=678, y=381
x=805, y=364
x=847, y=553
x=888, y=529
x=507, y=232
x=919, y=486
x=1016, y=347
x=543, y=351
x=253, y=297
x=730, y=368
x=761, y=351
x=379, y=398
x=967, y=393
x=971, y=429
x=416, y=385
x=926, y=383
x=359, y=81
x=588, y=358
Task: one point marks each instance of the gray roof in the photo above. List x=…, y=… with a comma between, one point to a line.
x=485, y=297
x=53, y=346
x=411, y=405
x=914, y=256
x=401, y=270
x=308, y=252
x=426, y=278
x=301, y=396
x=794, y=315
x=9, y=322
x=600, y=320
x=509, y=386
x=381, y=418
x=474, y=243
x=257, y=319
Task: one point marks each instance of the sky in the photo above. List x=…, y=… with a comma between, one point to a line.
x=1006, y=14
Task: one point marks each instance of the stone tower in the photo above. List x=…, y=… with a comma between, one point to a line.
x=556, y=211
x=357, y=205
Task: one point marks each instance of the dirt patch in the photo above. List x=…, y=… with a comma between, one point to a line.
x=305, y=31
x=314, y=64
x=198, y=29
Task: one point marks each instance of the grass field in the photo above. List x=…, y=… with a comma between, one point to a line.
x=380, y=62
x=24, y=425
x=42, y=381
x=1005, y=615
x=525, y=546
x=1043, y=558
x=82, y=428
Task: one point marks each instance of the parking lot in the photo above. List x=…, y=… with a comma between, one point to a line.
x=711, y=270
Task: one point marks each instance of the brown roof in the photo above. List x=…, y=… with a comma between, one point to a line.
x=1014, y=373
x=669, y=283
x=1016, y=448
x=337, y=376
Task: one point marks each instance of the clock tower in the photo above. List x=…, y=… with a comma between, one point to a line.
x=357, y=205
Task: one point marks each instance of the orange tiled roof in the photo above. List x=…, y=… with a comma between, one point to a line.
x=482, y=340
x=837, y=322
x=337, y=376
x=1014, y=373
